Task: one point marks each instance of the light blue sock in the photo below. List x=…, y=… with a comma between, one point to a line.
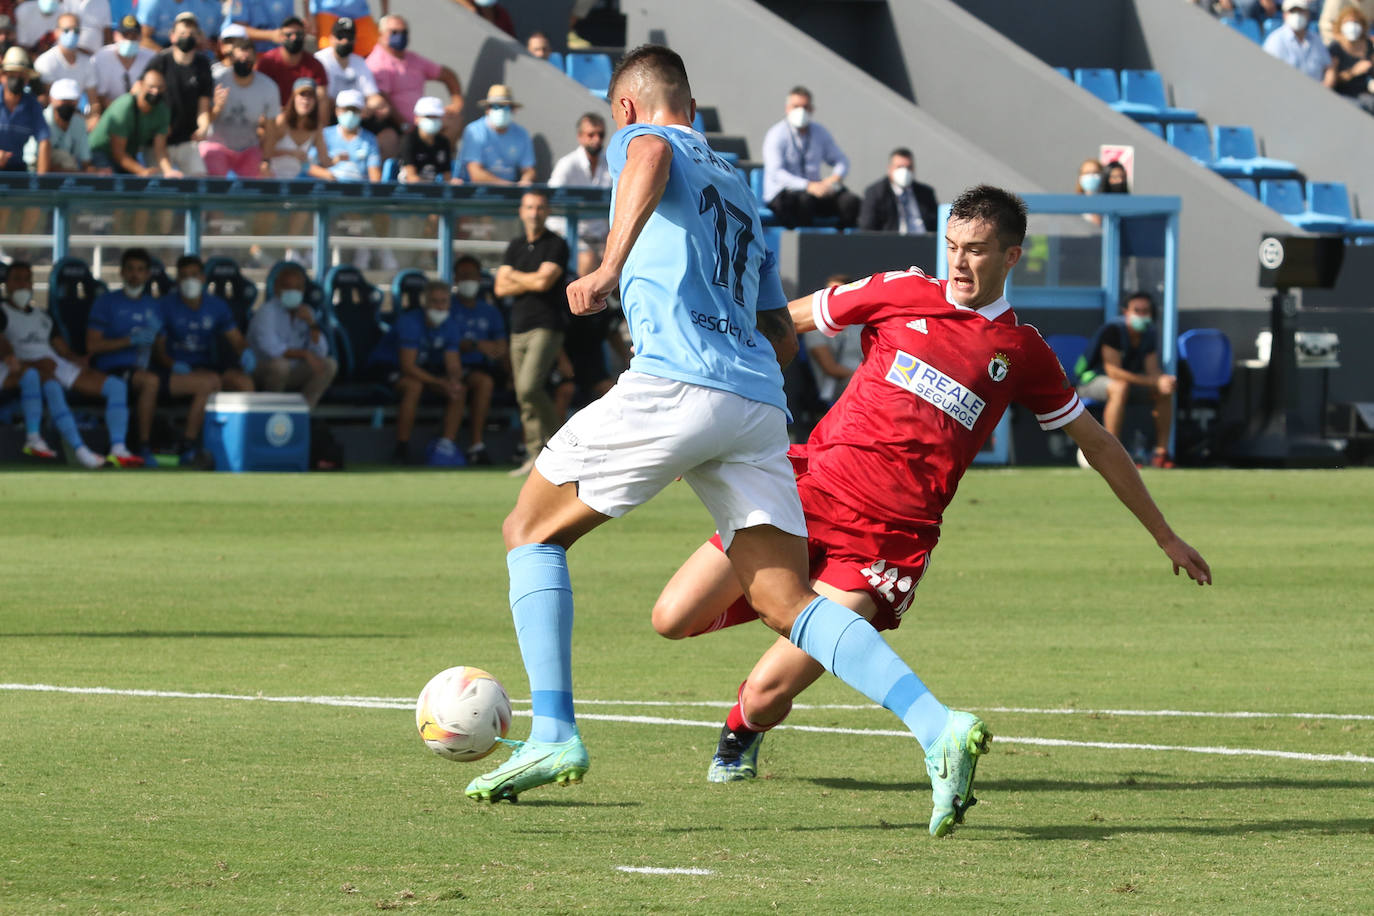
x=849, y=648
x=116, y=409
x=61, y=413
x=542, y=604
x=31, y=398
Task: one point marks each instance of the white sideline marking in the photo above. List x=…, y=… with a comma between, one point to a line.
x=397, y=703
x=664, y=871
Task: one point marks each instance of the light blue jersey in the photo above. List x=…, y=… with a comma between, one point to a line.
x=698, y=274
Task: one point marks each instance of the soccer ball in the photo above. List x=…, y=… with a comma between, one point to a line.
x=461, y=712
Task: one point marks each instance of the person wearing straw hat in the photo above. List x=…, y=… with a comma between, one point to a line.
x=21, y=117
x=495, y=149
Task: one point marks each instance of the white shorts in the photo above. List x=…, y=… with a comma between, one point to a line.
x=648, y=431
x=66, y=372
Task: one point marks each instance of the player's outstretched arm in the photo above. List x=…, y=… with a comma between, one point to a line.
x=1109, y=458
x=803, y=319
x=776, y=326
x=638, y=190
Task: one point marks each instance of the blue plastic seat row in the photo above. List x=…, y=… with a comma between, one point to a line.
x=1325, y=209
x=1236, y=153
x=1138, y=94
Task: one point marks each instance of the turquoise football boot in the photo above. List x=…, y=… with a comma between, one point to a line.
x=534, y=763
x=951, y=762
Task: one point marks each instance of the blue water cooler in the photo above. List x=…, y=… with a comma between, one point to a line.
x=258, y=431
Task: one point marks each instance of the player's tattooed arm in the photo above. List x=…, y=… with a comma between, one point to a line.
x=776, y=325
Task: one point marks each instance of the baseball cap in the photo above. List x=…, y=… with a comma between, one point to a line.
x=67, y=90
x=187, y=16
x=350, y=98
x=303, y=82
x=344, y=26
x=1295, y=5
x=429, y=107
x=129, y=26
x=231, y=31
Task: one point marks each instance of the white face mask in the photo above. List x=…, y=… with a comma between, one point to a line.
x=191, y=288
x=436, y=316
x=901, y=177
x=127, y=47
x=499, y=118
x=1296, y=21
x=21, y=298
x=429, y=126
x=1090, y=182
x=133, y=292
x=1352, y=30
x=468, y=289
x=799, y=117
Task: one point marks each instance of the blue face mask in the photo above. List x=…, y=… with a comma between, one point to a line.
x=398, y=41
x=1090, y=183
x=350, y=120
x=291, y=298
x=126, y=47
x=69, y=39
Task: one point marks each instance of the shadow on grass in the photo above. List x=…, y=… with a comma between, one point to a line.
x=559, y=803
x=1157, y=783
x=192, y=634
x=1080, y=832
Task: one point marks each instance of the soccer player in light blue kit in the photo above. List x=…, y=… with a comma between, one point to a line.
x=702, y=400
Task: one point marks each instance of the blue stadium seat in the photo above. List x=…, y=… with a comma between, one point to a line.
x=407, y=287
x=1145, y=88
x=1270, y=24
x=351, y=316
x=1193, y=139
x=1246, y=26
x=591, y=70
x=1154, y=127
x=391, y=168
x=556, y=58
x=1207, y=352
x=698, y=122
x=1247, y=185
x=1285, y=196
x=1236, y=150
x=223, y=278
x=1105, y=85
x=1064, y=72
x=756, y=185
x=1331, y=199
x=1069, y=348
x=71, y=291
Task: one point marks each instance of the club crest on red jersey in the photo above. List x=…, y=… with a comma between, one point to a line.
x=998, y=367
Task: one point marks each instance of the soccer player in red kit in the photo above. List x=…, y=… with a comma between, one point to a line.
x=942, y=361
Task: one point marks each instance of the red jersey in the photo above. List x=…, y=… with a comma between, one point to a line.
x=935, y=379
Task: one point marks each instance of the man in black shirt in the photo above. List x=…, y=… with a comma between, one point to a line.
x=532, y=272
x=426, y=154
x=1122, y=365
x=190, y=94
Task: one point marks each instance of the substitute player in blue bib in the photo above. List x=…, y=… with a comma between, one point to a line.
x=702, y=400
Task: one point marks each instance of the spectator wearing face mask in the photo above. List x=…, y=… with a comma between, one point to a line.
x=21, y=117
x=402, y=75
x=492, y=12
x=352, y=147
x=426, y=154
x=585, y=167
x=794, y=150
x=159, y=18
x=1352, y=59
x=262, y=20
x=1115, y=180
x=190, y=94
x=67, y=134
x=120, y=63
x=495, y=149
x=897, y=202
x=482, y=349
x=245, y=100
x=96, y=21
x=1121, y=366
x=288, y=62
x=136, y=123
x=1090, y=175
x=34, y=22
x=289, y=348
x=1296, y=44
x=64, y=61
x=1329, y=21
x=327, y=13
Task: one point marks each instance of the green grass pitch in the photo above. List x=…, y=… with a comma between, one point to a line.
x=1047, y=608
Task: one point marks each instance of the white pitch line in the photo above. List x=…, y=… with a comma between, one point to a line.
x=646, y=870
x=396, y=703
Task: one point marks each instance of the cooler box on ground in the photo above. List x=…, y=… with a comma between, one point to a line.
x=258, y=431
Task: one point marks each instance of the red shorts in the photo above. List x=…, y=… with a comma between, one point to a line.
x=853, y=553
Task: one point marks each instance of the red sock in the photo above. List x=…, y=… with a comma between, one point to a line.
x=735, y=720
x=735, y=614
